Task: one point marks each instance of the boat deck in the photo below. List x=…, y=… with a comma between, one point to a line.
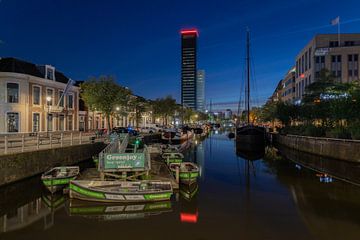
x=159, y=171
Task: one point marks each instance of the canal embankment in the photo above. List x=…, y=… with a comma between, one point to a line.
x=341, y=149
x=18, y=166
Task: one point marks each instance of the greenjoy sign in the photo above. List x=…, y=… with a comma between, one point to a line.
x=124, y=160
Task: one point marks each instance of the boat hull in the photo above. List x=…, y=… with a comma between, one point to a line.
x=81, y=192
x=250, y=138
x=57, y=184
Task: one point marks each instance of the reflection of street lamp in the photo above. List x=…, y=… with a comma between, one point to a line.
x=117, y=109
x=48, y=100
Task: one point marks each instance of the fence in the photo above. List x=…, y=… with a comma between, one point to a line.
x=26, y=142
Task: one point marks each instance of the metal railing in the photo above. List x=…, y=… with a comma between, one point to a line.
x=27, y=142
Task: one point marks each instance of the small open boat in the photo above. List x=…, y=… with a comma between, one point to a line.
x=59, y=177
x=120, y=191
x=188, y=172
x=173, y=157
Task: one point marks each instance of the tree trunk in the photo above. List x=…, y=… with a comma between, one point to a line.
x=108, y=122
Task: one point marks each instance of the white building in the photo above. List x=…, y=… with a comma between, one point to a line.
x=29, y=98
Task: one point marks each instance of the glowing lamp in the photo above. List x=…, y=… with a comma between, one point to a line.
x=302, y=75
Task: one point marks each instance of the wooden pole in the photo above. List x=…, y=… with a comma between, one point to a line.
x=177, y=175
x=22, y=143
x=61, y=139
x=50, y=139
x=5, y=145
x=80, y=138
x=71, y=139
x=37, y=141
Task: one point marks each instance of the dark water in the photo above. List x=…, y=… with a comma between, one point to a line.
x=270, y=198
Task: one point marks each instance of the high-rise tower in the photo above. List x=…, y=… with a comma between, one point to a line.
x=200, y=90
x=188, y=67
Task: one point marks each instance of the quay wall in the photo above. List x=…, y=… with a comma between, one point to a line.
x=341, y=149
x=18, y=166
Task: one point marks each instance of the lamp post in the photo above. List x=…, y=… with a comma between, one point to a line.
x=48, y=99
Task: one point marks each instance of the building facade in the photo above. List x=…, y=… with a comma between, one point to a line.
x=325, y=52
x=200, y=91
x=30, y=98
x=189, y=68
x=288, y=86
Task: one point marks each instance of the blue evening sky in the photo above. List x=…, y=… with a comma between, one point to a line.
x=138, y=42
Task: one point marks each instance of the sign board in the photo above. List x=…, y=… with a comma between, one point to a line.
x=124, y=161
x=321, y=51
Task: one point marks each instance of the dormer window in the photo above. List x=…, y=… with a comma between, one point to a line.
x=49, y=72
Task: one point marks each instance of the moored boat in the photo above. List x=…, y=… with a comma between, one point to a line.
x=59, y=177
x=120, y=191
x=173, y=157
x=188, y=172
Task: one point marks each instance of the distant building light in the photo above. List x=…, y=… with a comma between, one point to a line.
x=302, y=76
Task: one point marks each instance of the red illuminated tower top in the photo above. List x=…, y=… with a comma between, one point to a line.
x=192, y=31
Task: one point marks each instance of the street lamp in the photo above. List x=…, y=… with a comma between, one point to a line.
x=48, y=100
x=117, y=109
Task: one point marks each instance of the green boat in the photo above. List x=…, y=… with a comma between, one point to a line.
x=173, y=157
x=120, y=191
x=117, y=211
x=59, y=177
x=188, y=172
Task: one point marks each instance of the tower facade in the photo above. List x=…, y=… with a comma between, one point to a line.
x=188, y=68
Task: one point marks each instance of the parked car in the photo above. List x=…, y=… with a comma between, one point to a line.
x=148, y=130
x=120, y=130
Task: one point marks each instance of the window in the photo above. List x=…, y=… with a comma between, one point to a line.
x=70, y=122
x=70, y=101
x=61, y=122
x=306, y=61
x=12, y=92
x=353, y=66
x=349, y=43
x=36, y=122
x=310, y=58
x=50, y=73
x=36, y=95
x=334, y=44
x=50, y=93
x=336, y=65
x=61, y=104
x=50, y=122
x=12, y=122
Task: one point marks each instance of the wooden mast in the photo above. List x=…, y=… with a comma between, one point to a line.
x=248, y=75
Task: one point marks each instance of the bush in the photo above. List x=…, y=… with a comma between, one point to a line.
x=314, y=131
x=338, y=132
x=355, y=132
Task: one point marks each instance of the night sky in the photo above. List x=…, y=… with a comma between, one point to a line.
x=138, y=42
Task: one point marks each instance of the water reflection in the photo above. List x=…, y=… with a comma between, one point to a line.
x=239, y=195
x=111, y=212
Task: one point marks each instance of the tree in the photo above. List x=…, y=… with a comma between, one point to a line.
x=138, y=105
x=164, y=107
x=105, y=95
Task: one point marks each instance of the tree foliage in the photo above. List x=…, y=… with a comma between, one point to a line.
x=105, y=95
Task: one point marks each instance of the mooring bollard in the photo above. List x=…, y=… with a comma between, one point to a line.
x=5, y=145
x=22, y=143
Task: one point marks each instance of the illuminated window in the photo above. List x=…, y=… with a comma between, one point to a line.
x=12, y=92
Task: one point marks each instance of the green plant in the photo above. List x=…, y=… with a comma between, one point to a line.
x=338, y=132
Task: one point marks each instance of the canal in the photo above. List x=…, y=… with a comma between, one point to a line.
x=274, y=197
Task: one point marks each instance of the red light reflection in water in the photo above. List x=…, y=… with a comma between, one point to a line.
x=189, y=217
